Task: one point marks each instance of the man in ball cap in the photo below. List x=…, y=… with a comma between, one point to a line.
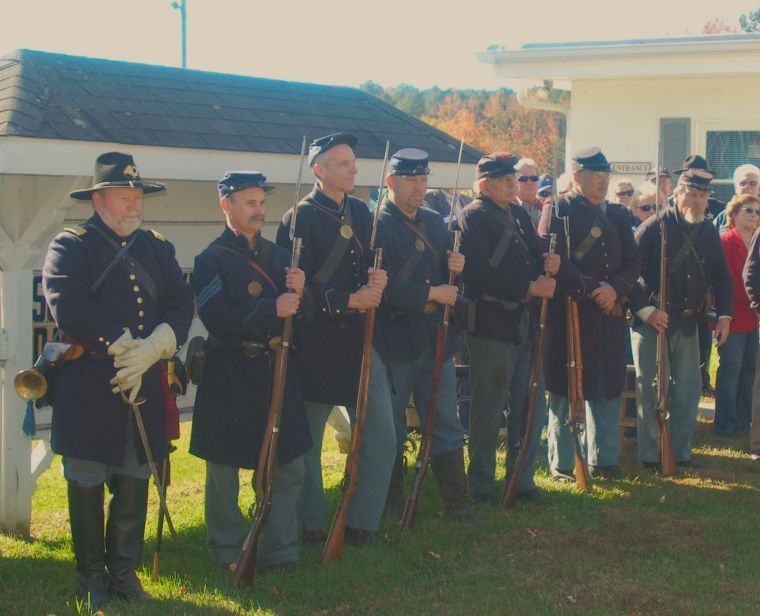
x=602, y=269
x=503, y=274
x=117, y=291
x=244, y=289
x=415, y=243
x=337, y=259
x=696, y=267
x=662, y=177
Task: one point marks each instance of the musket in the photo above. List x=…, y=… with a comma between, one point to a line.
x=246, y=562
x=510, y=490
x=668, y=464
x=576, y=398
x=333, y=549
x=426, y=441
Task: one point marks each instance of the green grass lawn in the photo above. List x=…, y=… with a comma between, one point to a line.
x=644, y=545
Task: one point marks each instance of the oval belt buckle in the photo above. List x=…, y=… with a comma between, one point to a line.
x=431, y=307
x=255, y=288
x=419, y=245
x=346, y=232
x=596, y=232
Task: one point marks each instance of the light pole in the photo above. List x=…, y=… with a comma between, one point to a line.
x=181, y=6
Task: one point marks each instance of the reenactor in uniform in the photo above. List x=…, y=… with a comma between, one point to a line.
x=696, y=265
x=117, y=291
x=337, y=260
x=244, y=289
x=416, y=254
x=505, y=260
x=600, y=274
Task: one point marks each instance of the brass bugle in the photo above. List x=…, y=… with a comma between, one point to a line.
x=32, y=384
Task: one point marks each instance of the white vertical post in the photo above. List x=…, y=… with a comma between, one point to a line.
x=16, y=481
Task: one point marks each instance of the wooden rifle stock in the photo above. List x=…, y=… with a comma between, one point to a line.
x=576, y=398
x=426, y=442
x=510, y=491
x=246, y=563
x=668, y=464
x=333, y=549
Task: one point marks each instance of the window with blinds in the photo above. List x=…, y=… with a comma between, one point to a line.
x=726, y=150
x=675, y=139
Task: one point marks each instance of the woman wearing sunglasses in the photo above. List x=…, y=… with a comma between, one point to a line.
x=736, y=372
x=644, y=203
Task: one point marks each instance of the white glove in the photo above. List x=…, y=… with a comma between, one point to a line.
x=136, y=361
x=122, y=343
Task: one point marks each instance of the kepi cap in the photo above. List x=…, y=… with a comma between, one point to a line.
x=234, y=181
x=318, y=146
x=409, y=161
x=496, y=165
x=592, y=159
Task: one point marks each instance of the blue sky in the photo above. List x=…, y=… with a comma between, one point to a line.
x=421, y=42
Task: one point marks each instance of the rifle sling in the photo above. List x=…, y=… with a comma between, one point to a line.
x=142, y=276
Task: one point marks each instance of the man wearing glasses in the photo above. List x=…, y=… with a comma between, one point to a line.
x=599, y=276
x=528, y=176
x=696, y=267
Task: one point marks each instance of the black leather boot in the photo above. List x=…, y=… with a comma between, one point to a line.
x=124, y=535
x=86, y=520
x=448, y=469
x=394, y=503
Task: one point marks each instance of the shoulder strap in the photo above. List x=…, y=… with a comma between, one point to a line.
x=143, y=277
x=510, y=231
x=340, y=245
x=688, y=247
x=421, y=244
x=252, y=264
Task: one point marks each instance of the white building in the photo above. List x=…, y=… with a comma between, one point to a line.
x=185, y=128
x=698, y=95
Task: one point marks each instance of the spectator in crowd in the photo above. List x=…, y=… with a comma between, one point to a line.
x=644, y=203
x=544, y=192
x=666, y=182
x=738, y=356
x=528, y=175
x=439, y=200
x=621, y=192
x=746, y=182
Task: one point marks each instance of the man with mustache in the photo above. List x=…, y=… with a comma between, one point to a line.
x=416, y=253
x=117, y=291
x=696, y=267
x=244, y=290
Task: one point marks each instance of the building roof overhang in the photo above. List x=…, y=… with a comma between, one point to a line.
x=697, y=56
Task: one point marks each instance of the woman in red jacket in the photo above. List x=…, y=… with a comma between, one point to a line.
x=736, y=372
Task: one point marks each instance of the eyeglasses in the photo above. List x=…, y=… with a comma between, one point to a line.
x=625, y=193
x=646, y=208
x=751, y=183
x=751, y=212
x=527, y=178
